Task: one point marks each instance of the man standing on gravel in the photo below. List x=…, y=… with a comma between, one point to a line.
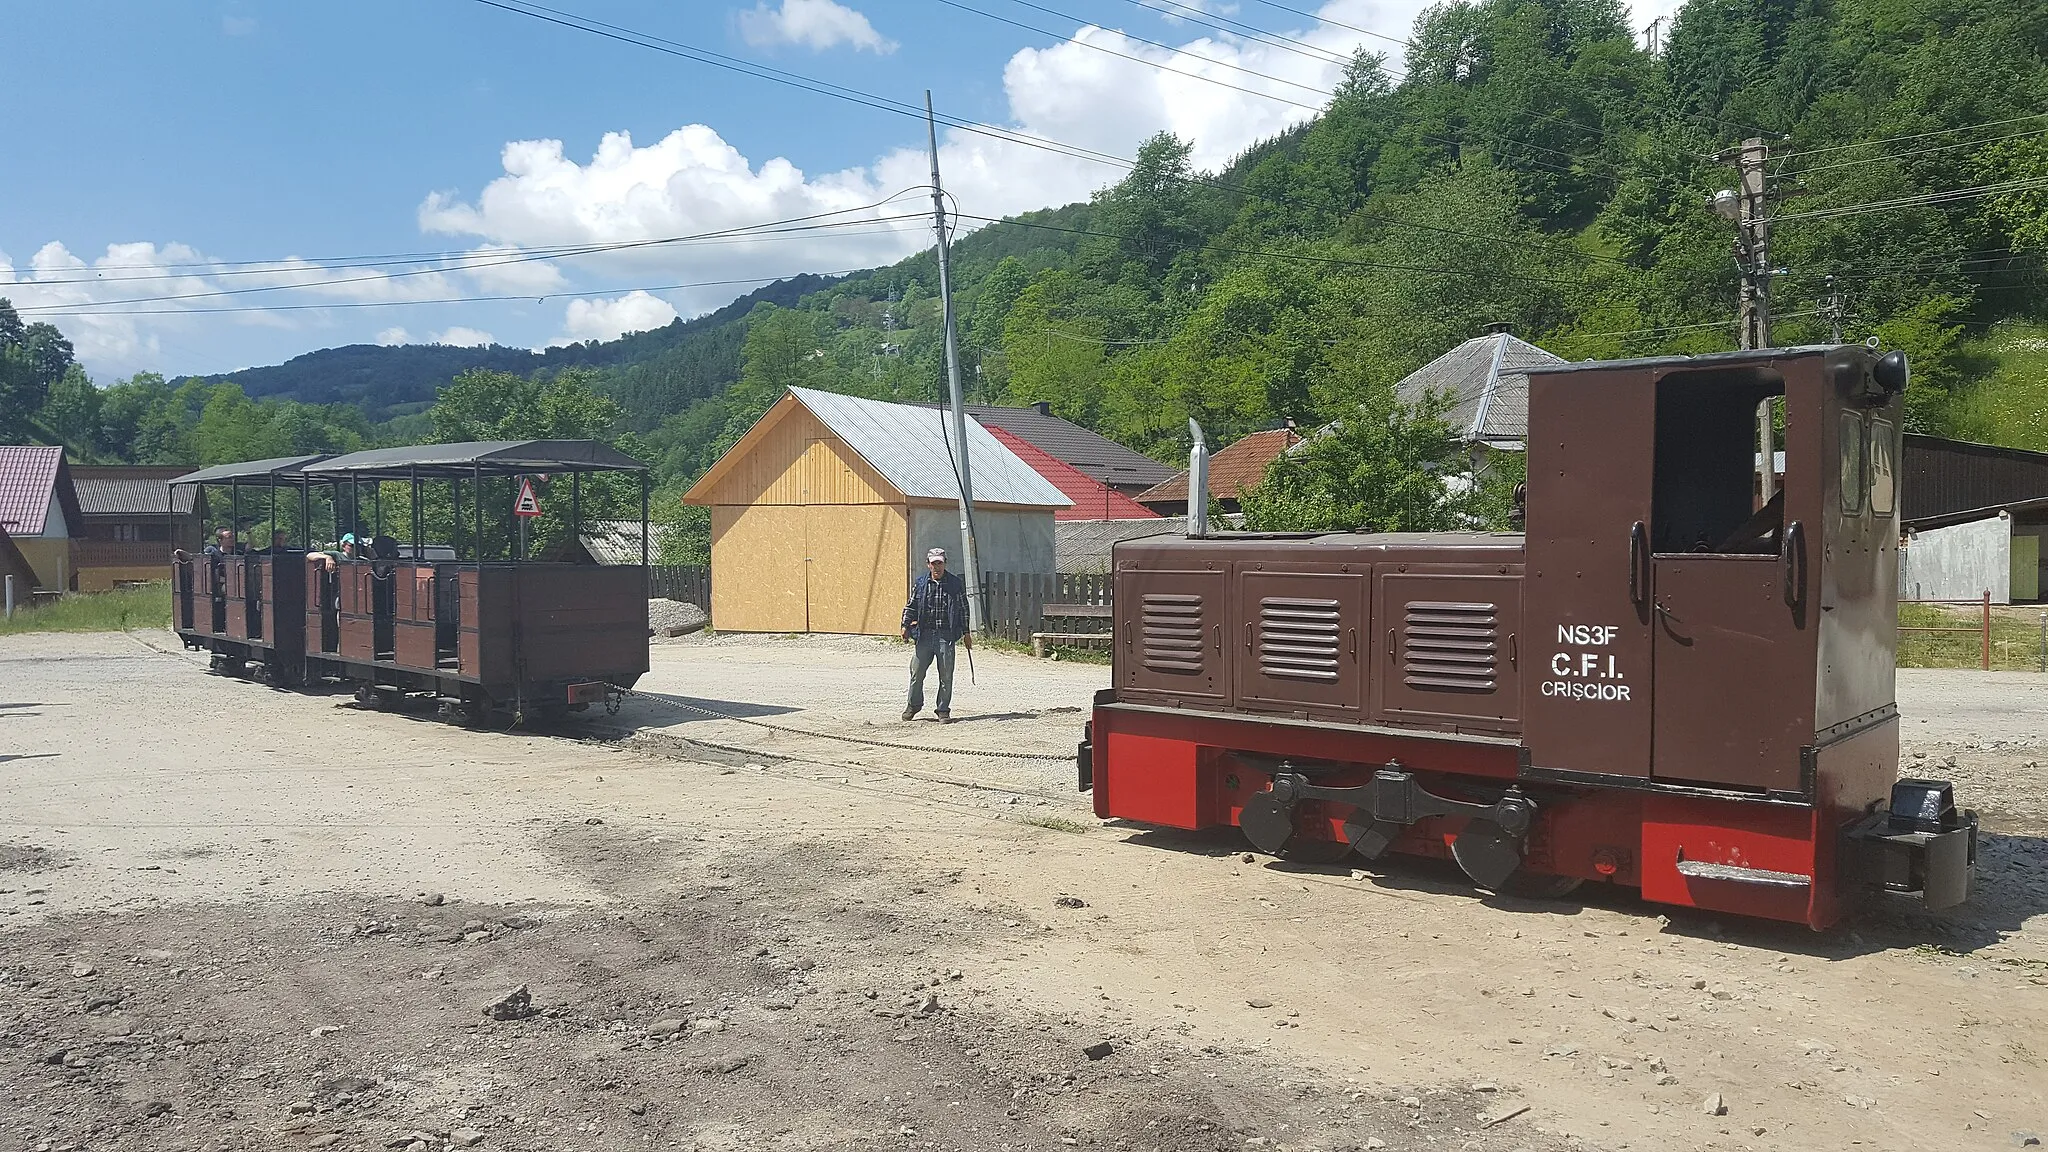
x=935, y=618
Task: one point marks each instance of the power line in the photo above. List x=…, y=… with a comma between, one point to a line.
x=1148, y=63
x=872, y=100
x=1241, y=29
x=1915, y=136
x=279, y=267
x=1924, y=199
x=436, y=300
x=746, y=232
x=674, y=48
x=1918, y=152
x=1298, y=256
x=1178, y=51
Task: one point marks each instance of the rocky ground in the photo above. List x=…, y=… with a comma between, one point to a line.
x=232, y=918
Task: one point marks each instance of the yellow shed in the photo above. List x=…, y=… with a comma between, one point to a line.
x=822, y=512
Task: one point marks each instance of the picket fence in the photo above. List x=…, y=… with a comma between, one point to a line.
x=1013, y=604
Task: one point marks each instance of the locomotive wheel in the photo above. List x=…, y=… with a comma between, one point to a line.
x=1540, y=886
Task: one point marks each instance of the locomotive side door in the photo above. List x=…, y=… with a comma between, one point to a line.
x=1732, y=620
x=1586, y=605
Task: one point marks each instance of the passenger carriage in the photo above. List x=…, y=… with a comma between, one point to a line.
x=443, y=594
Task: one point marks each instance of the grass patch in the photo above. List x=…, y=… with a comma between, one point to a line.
x=1058, y=824
x=1078, y=654
x=146, y=606
x=2015, y=637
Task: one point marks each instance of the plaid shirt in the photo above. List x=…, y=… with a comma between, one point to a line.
x=941, y=604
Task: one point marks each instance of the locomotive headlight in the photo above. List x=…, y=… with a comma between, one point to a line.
x=1891, y=372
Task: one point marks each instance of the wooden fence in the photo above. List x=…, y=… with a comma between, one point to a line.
x=1013, y=604
x=681, y=583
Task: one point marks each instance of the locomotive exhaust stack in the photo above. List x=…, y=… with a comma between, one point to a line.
x=1663, y=682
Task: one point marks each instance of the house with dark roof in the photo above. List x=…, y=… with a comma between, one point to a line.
x=1092, y=499
x=1232, y=469
x=39, y=511
x=1090, y=453
x=132, y=521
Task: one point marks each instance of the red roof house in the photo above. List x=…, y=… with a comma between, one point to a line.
x=1231, y=470
x=1093, y=499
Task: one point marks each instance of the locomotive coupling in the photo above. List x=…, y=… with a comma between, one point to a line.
x=1922, y=848
x=1489, y=848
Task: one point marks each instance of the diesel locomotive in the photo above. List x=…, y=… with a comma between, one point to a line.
x=1666, y=681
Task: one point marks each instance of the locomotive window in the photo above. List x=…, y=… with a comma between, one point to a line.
x=1883, y=483
x=1705, y=464
x=1851, y=450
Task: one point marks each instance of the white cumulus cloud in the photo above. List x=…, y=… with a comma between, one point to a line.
x=393, y=336
x=462, y=337
x=692, y=182
x=600, y=319
x=814, y=24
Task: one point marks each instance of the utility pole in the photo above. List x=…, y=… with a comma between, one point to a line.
x=1833, y=310
x=971, y=574
x=1651, y=34
x=1750, y=203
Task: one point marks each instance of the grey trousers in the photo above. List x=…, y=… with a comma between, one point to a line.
x=930, y=648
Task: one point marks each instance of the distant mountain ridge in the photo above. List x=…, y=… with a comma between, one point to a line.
x=378, y=378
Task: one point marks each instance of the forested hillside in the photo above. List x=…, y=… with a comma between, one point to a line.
x=1520, y=161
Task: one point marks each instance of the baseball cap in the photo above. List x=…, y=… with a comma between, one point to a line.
x=938, y=554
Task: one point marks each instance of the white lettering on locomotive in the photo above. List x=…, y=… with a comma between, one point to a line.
x=1584, y=675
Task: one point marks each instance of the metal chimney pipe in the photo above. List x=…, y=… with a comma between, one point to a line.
x=1198, y=482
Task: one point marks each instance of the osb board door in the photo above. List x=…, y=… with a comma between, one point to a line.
x=1452, y=644
x=1585, y=597
x=858, y=558
x=1731, y=707
x=1301, y=636
x=758, y=554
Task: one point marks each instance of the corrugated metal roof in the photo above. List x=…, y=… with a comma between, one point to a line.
x=130, y=490
x=909, y=446
x=494, y=457
x=618, y=541
x=251, y=470
x=1487, y=381
x=1082, y=546
x=1939, y=476
x=1089, y=453
x=30, y=476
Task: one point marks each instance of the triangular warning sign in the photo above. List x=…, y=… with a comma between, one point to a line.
x=526, y=505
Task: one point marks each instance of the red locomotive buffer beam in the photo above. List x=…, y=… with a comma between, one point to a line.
x=1659, y=685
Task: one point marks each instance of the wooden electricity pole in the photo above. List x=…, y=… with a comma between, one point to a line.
x=1753, y=258
x=970, y=567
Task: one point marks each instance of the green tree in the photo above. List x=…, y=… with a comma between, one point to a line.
x=32, y=358
x=1384, y=468
x=71, y=413
x=1149, y=214
x=484, y=405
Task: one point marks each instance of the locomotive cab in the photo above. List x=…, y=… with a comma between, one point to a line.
x=1676, y=679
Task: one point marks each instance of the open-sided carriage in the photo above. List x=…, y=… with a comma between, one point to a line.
x=481, y=600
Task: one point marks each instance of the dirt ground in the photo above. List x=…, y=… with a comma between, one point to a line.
x=232, y=918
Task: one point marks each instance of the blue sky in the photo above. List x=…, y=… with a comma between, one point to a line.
x=173, y=145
